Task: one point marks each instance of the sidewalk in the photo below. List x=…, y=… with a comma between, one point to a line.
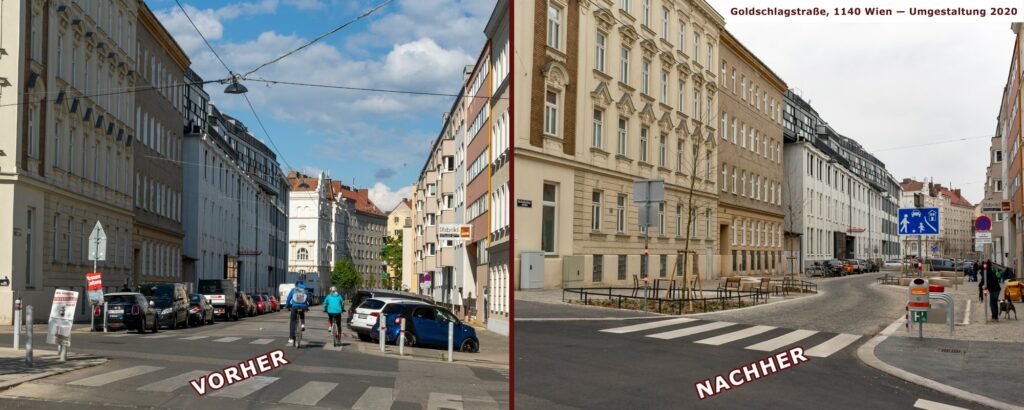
x=14, y=371
x=493, y=351
x=982, y=361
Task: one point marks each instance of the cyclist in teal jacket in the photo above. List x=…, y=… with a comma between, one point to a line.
x=333, y=305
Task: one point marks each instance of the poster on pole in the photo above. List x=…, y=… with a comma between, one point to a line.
x=95, y=288
x=62, y=315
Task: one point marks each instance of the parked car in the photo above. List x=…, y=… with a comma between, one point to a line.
x=246, y=306
x=200, y=311
x=368, y=312
x=893, y=263
x=274, y=305
x=127, y=310
x=257, y=300
x=364, y=294
x=222, y=295
x=171, y=299
x=966, y=266
x=836, y=266
x=427, y=325
x=938, y=264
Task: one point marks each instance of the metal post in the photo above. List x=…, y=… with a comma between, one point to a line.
x=920, y=330
x=451, y=332
x=401, y=337
x=63, y=347
x=104, y=317
x=382, y=334
x=28, y=339
x=644, y=258
x=17, y=323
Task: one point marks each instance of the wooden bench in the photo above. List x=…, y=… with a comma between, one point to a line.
x=729, y=285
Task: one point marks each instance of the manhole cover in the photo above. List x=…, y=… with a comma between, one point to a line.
x=946, y=350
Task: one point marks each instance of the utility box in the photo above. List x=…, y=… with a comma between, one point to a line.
x=531, y=270
x=572, y=271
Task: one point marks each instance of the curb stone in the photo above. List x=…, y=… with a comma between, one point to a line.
x=866, y=353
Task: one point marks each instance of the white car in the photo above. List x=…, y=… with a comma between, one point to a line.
x=367, y=313
x=892, y=263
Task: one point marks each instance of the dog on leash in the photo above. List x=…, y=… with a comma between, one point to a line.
x=1006, y=306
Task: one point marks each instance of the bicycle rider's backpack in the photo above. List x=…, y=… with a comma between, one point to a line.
x=299, y=296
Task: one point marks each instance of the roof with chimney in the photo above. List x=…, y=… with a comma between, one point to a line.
x=301, y=182
x=955, y=196
x=360, y=198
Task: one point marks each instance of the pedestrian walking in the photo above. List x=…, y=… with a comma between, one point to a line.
x=990, y=281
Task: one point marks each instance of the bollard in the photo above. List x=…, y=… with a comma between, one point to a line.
x=383, y=337
x=105, y=317
x=401, y=337
x=17, y=323
x=92, y=317
x=28, y=338
x=451, y=332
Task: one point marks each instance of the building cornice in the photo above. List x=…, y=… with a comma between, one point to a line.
x=748, y=57
x=162, y=36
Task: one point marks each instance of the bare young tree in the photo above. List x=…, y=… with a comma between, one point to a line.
x=702, y=144
x=794, y=210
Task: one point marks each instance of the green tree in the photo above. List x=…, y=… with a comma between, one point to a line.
x=345, y=276
x=392, y=255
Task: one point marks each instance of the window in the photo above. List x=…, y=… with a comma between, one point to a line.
x=734, y=183
x=551, y=113
x=598, y=128
x=682, y=96
x=682, y=36
x=711, y=55
x=661, y=218
x=664, y=86
x=733, y=79
x=664, y=23
x=59, y=129
x=431, y=249
x=595, y=211
x=647, y=13
x=724, y=128
x=743, y=184
x=622, y=267
x=732, y=129
x=449, y=163
x=621, y=214
x=723, y=78
x=725, y=179
x=696, y=102
x=624, y=66
x=743, y=135
x=680, y=151
x=662, y=150
x=431, y=190
x=999, y=156
x=663, y=268
x=554, y=25
x=645, y=76
x=643, y=144
x=679, y=220
x=696, y=47
x=623, y=126
x=302, y=254
x=743, y=87
x=707, y=113
x=599, y=52
x=598, y=267
x=548, y=219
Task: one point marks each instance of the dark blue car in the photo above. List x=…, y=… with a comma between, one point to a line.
x=427, y=325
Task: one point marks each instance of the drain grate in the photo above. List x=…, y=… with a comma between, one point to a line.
x=947, y=350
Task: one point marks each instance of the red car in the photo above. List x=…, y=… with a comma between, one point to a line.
x=261, y=306
x=274, y=306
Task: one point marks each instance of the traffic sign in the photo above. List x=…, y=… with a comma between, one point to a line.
x=934, y=248
x=982, y=224
x=983, y=237
x=649, y=190
x=98, y=243
x=918, y=221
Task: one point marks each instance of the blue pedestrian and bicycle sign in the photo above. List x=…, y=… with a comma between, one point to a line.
x=918, y=221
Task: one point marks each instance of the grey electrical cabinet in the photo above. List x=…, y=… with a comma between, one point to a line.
x=531, y=270
x=572, y=271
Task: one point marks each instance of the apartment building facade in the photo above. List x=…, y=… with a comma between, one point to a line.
x=495, y=298
x=61, y=170
x=400, y=226
x=364, y=231
x=750, y=213
x=610, y=94
x=158, y=234
x=310, y=219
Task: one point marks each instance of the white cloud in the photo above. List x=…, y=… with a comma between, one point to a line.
x=306, y=4
x=385, y=198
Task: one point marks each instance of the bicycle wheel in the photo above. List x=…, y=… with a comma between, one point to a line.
x=337, y=336
x=298, y=339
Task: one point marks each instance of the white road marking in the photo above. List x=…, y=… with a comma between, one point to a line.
x=117, y=334
x=438, y=401
x=375, y=398
x=110, y=377
x=244, y=388
x=833, y=345
x=194, y=337
x=261, y=341
x=691, y=330
x=577, y=319
x=227, y=339
x=156, y=336
x=734, y=336
x=931, y=405
x=784, y=340
x=648, y=326
x=173, y=383
x=309, y=394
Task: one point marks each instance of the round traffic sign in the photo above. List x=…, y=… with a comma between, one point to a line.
x=982, y=224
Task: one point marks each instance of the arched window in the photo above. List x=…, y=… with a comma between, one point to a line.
x=303, y=254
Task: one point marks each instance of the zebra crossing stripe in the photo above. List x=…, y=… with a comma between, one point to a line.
x=375, y=398
x=173, y=383
x=833, y=345
x=438, y=401
x=691, y=330
x=194, y=337
x=649, y=325
x=734, y=336
x=110, y=377
x=245, y=387
x=309, y=394
x=261, y=341
x=117, y=334
x=934, y=405
x=782, y=341
x=227, y=339
x=156, y=336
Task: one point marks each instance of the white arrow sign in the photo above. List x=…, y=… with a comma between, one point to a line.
x=98, y=243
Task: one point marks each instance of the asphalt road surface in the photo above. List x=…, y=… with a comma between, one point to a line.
x=617, y=359
x=152, y=371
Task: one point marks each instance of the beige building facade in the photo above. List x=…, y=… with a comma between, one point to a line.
x=750, y=152
x=614, y=92
x=495, y=300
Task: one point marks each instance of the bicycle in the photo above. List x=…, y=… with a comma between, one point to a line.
x=298, y=338
x=337, y=335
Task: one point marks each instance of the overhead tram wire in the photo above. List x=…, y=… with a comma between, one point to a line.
x=318, y=38
x=260, y=122
x=377, y=90
x=927, y=144
x=232, y=73
x=121, y=90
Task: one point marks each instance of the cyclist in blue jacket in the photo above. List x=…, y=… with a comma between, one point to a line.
x=334, y=305
x=298, y=303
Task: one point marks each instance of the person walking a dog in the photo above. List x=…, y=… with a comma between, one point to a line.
x=990, y=281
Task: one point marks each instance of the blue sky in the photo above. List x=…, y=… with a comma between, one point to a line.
x=379, y=140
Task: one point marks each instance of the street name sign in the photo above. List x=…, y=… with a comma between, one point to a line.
x=98, y=243
x=918, y=221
